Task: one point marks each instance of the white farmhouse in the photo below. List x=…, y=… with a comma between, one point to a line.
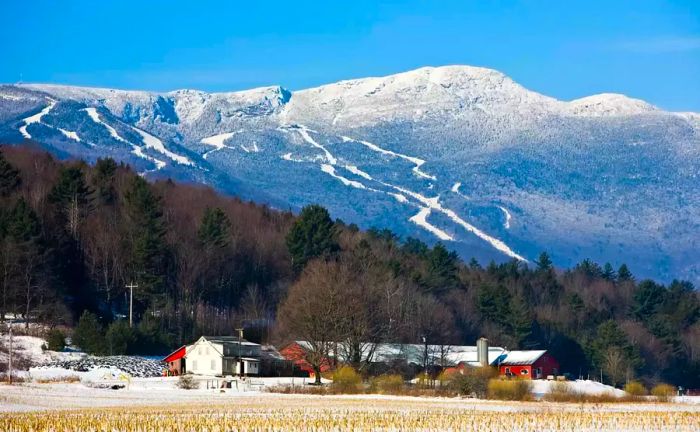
x=223, y=355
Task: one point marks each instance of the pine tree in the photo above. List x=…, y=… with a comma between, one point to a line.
x=88, y=334
x=624, y=274
x=442, y=269
x=214, y=230
x=520, y=320
x=312, y=235
x=72, y=194
x=103, y=180
x=9, y=177
x=148, y=249
x=609, y=272
x=544, y=263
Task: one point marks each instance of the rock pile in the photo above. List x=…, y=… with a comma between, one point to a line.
x=134, y=366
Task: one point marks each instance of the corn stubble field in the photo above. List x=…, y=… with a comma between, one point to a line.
x=340, y=414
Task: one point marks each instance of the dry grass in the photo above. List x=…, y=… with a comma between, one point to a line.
x=514, y=389
x=322, y=414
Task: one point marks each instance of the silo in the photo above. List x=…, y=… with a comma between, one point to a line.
x=482, y=351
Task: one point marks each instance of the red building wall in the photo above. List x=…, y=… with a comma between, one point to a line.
x=540, y=369
x=295, y=353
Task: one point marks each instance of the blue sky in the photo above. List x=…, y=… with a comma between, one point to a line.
x=648, y=49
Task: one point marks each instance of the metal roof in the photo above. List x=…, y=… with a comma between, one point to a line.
x=517, y=358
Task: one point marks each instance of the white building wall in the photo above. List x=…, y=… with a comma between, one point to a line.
x=204, y=358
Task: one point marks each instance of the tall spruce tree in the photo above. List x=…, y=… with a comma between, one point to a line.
x=313, y=235
x=103, y=180
x=215, y=229
x=73, y=196
x=148, y=249
x=624, y=274
x=442, y=269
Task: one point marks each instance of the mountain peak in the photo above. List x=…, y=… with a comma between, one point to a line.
x=609, y=104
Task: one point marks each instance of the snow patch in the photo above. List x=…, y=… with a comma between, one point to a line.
x=70, y=135
x=507, y=214
x=154, y=143
x=328, y=169
x=421, y=219
x=414, y=160
x=36, y=118
x=95, y=116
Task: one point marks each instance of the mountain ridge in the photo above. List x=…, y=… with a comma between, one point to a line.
x=456, y=153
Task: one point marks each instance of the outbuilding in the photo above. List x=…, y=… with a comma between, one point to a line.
x=535, y=364
x=176, y=361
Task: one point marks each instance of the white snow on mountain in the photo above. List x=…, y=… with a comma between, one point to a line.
x=36, y=118
x=95, y=116
x=436, y=153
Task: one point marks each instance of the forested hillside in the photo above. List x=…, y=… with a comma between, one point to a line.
x=72, y=236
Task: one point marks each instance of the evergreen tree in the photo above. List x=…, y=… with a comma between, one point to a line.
x=72, y=194
x=148, y=249
x=520, y=320
x=23, y=223
x=493, y=303
x=9, y=177
x=648, y=298
x=624, y=274
x=608, y=272
x=442, y=269
x=415, y=246
x=214, y=230
x=312, y=235
x=103, y=180
x=544, y=263
x=88, y=334
x=120, y=338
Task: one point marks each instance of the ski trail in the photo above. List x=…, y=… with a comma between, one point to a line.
x=505, y=211
x=421, y=219
x=253, y=149
x=330, y=170
x=358, y=172
x=434, y=204
x=414, y=160
x=156, y=144
x=95, y=116
x=304, y=132
x=71, y=135
x=135, y=150
x=218, y=142
x=36, y=118
x=455, y=189
x=428, y=204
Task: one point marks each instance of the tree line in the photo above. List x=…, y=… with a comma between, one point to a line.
x=72, y=236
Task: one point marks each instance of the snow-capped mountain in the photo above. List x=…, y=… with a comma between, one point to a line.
x=459, y=154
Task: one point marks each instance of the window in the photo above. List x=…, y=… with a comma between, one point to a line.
x=206, y=351
x=213, y=364
x=194, y=364
x=508, y=371
x=523, y=372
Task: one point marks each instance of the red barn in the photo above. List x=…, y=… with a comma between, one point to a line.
x=528, y=364
x=296, y=353
x=176, y=361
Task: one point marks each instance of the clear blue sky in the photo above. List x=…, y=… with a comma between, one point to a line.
x=648, y=49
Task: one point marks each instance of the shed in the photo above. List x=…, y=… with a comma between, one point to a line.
x=535, y=364
x=176, y=361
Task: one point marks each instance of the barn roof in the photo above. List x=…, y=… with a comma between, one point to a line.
x=177, y=354
x=452, y=355
x=519, y=358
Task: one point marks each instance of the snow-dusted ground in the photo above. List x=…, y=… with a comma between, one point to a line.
x=163, y=391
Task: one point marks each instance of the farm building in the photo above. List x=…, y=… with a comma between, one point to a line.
x=176, y=361
x=528, y=364
x=223, y=355
x=436, y=356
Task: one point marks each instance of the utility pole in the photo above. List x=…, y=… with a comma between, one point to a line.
x=9, y=366
x=240, y=363
x=131, y=287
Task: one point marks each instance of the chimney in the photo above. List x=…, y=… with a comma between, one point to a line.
x=482, y=351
